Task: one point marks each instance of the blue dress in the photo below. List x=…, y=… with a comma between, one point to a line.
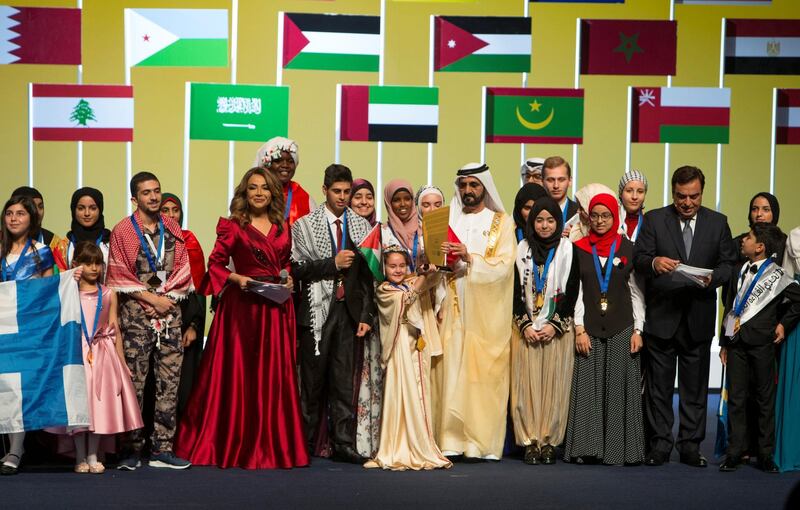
x=787, y=403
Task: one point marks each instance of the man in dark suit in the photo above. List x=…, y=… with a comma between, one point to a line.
x=335, y=312
x=680, y=317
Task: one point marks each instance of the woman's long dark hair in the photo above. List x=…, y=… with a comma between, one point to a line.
x=6, y=240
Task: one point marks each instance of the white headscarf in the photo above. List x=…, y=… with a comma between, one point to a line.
x=492, y=198
x=428, y=189
x=272, y=150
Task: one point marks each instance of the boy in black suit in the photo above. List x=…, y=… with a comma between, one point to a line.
x=763, y=303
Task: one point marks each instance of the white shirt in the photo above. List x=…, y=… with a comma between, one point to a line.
x=746, y=275
x=637, y=301
x=692, y=222
x=332, y=225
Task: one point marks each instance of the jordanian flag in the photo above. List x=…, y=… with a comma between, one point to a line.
x=522, y=115
x=370, y=248
x=680, y=115
x=176, y=37
x=787, y=117
x=762, y=46
x=482, y=44
x=330, y=42
x=372, y=113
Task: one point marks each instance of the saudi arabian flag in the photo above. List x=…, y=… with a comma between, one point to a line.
x=370, y=248
x=176, y=37
x=523, y=115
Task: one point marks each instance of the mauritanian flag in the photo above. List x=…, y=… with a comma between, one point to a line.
x=680, y=115
x=522, y=115
x=389, y=113
x=482, y=44
x=640, y=47
x=762, y=46
x=370, y=248
x=787, y=117
x=176, y=37
x=40, y=35
x=90, y=113
x=330, y=42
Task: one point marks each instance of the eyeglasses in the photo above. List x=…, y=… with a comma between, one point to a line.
x=598, y=217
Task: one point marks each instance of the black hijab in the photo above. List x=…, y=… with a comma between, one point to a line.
x=79, y=232
x=539, y=245
x=529, y=191
x=773, y=204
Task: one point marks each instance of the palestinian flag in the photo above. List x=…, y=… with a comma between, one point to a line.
x=640, y=47
x=482, y=44
x=372, y=113
x=40, y=35
x=370, y=248
x=176, y=37
x=787, y=117
x=330, y=42
x=522, y=115
x=91, y=113
x=680, y=115
x=762, y=46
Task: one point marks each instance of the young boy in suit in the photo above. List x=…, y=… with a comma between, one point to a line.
x=763, y=304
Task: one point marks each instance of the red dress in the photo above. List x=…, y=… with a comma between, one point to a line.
x=244, y=410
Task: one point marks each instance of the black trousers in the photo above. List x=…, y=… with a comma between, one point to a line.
x=329, y=377
x=751, y=377
x=692, y=360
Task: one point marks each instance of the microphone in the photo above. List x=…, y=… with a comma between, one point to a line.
x=284, y=275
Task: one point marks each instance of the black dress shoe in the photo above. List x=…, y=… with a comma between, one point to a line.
x=730, y=464
x=348, y=454
x=768, y=466
x=532, y=455
x=548, y=454
x=656, y=458
x=695, y=459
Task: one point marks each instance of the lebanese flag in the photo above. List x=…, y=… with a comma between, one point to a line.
x=89, y=113
x=40, y=35
x=787, y=117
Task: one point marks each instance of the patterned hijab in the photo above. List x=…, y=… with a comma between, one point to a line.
x=359, y=184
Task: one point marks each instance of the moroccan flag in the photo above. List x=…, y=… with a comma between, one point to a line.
x=482, y=44
x=521, y=115
x=238, y=112
x=787, y=117
x=176, y=37
x=762, y=46
x=641, y=47
x=330, y=42
x=90, y=113
x=680, y=115
x=370, y=248
x=389, y=114
x=40, y=35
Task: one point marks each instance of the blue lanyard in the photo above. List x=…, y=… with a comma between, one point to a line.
x=414, y=252
x=288, y=203
x=72, y=242
x=740, y=301
x=635, y=232
x=146, y=248
x=604, y=279
x=402, y=286
x=97, y=311
x=41, y=237
x=540, y=281
x=20, y=261
x=564, y=212
x=520, y=234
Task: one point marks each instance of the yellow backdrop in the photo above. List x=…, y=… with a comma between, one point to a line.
x=159, y=108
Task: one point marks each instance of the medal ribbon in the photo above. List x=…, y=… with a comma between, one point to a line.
x=97, y=311
x=288, y=204
x=602, y=279
x=147, y=250
x=414, y=252
x=540, y=281
x=564, y=212
x=22, y=256
x=741, y=300
x=72, y=243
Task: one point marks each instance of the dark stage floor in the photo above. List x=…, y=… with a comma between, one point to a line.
x=505, y=484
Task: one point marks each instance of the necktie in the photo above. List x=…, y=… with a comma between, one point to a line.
x=687, y=237
x=339, y=281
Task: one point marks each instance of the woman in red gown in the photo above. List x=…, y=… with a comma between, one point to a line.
x=244, y=410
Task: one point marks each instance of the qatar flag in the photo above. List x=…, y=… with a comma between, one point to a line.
x=40, y=35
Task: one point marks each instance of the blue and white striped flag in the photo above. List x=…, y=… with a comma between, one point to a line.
x=42, y=379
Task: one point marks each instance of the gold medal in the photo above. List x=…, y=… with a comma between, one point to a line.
x=603, y=305
x=539, y=300
x=736, y=324
x=89, y=356
x=420, y=343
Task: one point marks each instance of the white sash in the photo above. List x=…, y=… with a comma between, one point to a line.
x=556, y=282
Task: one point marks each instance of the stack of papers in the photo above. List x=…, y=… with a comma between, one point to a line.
x=694, y=274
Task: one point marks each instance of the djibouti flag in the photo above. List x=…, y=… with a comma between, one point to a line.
x=373, y=113
x=176, y=37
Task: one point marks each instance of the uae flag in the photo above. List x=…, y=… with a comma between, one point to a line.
x=522, y=115
x=40, y=35
x=176, y=37
x=482, y=44
x=89, y=113
x=330, y=42
x=762, y=46
x=787, y=117
x=640, y=47
x=370, y=248
x=372, y=113
x=680, y=115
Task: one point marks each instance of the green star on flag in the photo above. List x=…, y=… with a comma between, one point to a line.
x=628, y=46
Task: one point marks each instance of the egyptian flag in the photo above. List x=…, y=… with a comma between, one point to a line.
x=40, y=35
x=638, y=47
x=762, y=46
x=482, y=44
